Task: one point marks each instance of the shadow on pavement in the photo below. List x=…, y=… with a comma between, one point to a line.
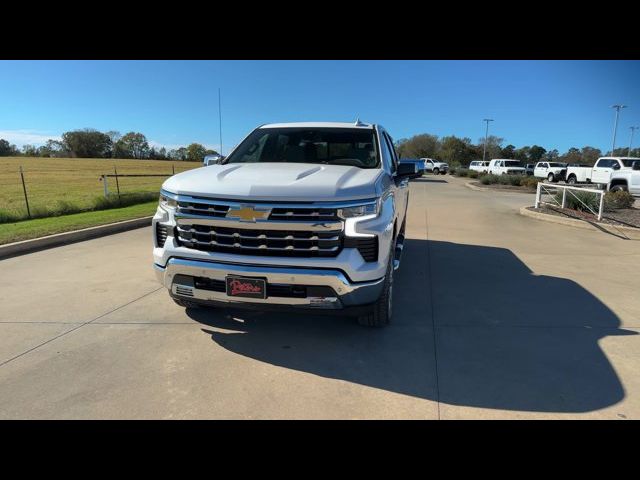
x=505, y=338
x=427, y=180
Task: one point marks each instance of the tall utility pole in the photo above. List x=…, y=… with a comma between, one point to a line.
x=486, y=135
x=615, y=125
x=633, y=129
x=220, y=120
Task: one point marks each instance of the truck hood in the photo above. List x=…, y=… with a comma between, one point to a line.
x=276, y=182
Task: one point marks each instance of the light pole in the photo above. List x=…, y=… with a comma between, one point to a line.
x=486, y=135
x=633, y=129
x=615, y=126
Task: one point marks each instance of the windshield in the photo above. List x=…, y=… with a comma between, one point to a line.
x=630, y=161
x=511, y=163
x=334, y=146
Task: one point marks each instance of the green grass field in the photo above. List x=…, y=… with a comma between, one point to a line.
x=27, y=229
x=76, y=181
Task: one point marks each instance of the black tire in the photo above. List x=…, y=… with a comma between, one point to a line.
x=382, y=310
x=186, y=303
x=571, y=180
x=618, y=188
x=436, y=171
x=551, y=178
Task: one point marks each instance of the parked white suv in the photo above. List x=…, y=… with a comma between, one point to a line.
x=434, y=166
x=505, y=166
x=552, y=171
x=479, y=166
x=307, y=216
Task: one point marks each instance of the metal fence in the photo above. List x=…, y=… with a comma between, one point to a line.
x=546, y=194
x=46, y=187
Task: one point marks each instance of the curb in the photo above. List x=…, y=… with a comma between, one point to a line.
x=489, y=189
x=35, y=244
x=628, y=233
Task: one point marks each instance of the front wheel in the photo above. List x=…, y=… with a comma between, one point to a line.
x=551, y=178
x=436, y=171
x=618, y=188
x=382, y=309
x=571, y=180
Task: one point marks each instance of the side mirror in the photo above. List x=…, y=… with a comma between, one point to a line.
x=616, y=166
x=407, y=169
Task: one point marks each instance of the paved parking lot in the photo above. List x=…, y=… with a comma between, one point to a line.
x=496, y=316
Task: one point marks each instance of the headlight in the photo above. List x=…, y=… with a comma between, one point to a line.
x=359, y=210
x=167, y=201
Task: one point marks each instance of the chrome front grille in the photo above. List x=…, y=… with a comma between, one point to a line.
x=304, y=214
x=208, y=209
x=285, y=229
x=214, y=208
x=252, y=241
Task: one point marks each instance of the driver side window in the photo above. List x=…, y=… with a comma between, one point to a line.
x=386, y=153
x=392, y=152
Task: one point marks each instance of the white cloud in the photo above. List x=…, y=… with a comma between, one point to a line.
x=27, y=137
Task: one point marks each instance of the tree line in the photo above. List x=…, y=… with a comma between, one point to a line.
x=90, y=143
x=461, y=151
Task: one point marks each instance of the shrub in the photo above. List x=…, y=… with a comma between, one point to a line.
x=618, y=200
x=529, y=182
x=583, y=200
x=452, y=170
x=514, y=180
x=462, y=172
x=473, y=174
x=489, y=179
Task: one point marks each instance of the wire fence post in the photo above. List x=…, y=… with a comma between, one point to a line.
x=106, y=187
x=24, y=189
x=173, y=169
x=117, y=183
x=564, y=197
x=601, y=205
x=538, y=196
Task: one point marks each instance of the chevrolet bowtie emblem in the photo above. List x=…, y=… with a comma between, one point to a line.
x=248, y=213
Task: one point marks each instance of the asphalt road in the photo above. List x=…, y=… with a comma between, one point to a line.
x=496, y=316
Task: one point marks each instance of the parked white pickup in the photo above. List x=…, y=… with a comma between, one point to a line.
x=601, y=171
x=626, y=180
x=552, y=171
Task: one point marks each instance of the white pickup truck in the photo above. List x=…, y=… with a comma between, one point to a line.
x=552, y=171
x=299, y=216
x=601, y=171
x=626, y=180
x=435, y=166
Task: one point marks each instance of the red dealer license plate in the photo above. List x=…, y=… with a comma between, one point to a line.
x=246, y=287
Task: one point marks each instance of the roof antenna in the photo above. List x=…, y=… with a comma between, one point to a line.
x=359, y=123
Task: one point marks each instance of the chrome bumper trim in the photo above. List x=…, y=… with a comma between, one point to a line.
x=348, y=293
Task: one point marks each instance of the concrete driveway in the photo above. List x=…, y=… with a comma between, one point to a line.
x=496, y=316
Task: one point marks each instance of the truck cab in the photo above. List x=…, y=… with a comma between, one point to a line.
x=601, y=172
x=552, y=171
x=626, y=180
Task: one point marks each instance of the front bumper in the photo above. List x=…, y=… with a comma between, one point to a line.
x=347, y=293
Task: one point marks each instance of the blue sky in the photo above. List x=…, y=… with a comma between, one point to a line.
x=556, y=104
